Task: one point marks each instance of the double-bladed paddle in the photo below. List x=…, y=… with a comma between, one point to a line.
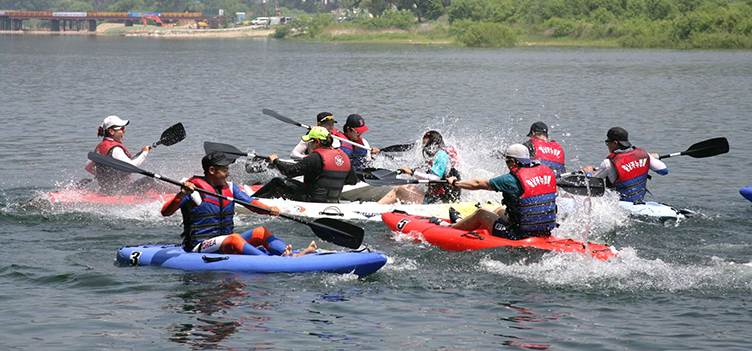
x=707, y=148
x=400, y=181
x=293, y=122
x=329, y=229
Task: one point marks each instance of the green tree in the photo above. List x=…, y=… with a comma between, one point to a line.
x=128, y=6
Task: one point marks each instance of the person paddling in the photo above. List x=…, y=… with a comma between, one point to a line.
x=529, y=191
x=626, y=167
x=442, y=160
x=112, y=181
x=325, y=172
x=208, y=220
x=353, y=130
x=543, y=150
x=323, y=119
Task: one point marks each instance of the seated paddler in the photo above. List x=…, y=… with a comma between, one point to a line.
x=208, y=220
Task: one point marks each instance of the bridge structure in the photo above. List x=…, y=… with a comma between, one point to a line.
x=13, y=20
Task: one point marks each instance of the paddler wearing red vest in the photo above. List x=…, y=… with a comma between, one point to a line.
x=442, y=160
x=323, y=119
x=112, y=181
x=529, y=196
x=626, y=167
x=208, y=220
x=544, y=150
x=325, y=172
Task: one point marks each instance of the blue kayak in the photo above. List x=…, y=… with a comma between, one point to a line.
x=746, y=192
x=173, y=256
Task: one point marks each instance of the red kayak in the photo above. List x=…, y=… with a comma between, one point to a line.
x=451, y=239
x=91, y=197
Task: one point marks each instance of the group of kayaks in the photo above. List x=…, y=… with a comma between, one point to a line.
x=414, y=221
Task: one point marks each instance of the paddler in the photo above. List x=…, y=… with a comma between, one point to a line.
x=208, y=220
x=442, y=160
x=353, y=130
x=529, y=196
x=325, y=172
x=543, y=150
x=323, y=119
x=626, y=167
x=112, y=181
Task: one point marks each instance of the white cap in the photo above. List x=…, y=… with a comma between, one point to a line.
x=519, y=152
x=114, y=121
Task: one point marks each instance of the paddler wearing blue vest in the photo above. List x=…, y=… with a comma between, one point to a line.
x=626, y=167
x=325, y=172
x=544, y=150
x=112, y=181
x=353, y=130
x=208, y=220
x=529, y=199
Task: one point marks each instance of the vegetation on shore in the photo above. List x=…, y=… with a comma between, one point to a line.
x=678, y=24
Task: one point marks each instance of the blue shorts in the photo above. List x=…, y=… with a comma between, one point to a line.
x=502, y=230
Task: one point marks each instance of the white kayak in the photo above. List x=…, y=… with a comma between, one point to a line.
x=362, y=210
x=648, y=209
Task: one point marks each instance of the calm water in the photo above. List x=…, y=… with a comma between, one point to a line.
x=679, y=287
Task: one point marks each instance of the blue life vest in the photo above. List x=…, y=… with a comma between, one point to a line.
x=214, y=216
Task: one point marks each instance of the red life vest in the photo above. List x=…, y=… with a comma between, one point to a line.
x=548, y=152
x=111, y=181
x=632, y=174
x=327, y=185
x=534, y=214
x=213, y=217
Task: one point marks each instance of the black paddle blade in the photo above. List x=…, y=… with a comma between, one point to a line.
x=386, y=181
x=578, y=185
x=230, y=151
x=707, y=148
x=398, y=148
x=276, y=115
x=116, y=164
x=338, y=232
x=172, y=135
x=384, y=173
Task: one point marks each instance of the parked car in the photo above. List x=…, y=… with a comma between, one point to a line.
x=260, y=21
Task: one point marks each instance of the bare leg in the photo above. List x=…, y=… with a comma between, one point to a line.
x=311, y=248
x=405, y=194
x=480, y=219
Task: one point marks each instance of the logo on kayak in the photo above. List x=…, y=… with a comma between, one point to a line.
x=299, y=209
x=339, y=160
x=134, y=258
x=402, y=223
x=368, y=214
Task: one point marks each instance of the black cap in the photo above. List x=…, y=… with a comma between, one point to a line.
x=324, y=115
x=217, y=159
x=619, y=134
x=538, y=127
x=356, y=122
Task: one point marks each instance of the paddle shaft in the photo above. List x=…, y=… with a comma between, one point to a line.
x=290, y=121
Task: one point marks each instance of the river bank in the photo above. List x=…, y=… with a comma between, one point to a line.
x=119, y=29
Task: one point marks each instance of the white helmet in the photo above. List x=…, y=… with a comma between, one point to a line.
x=519, y=152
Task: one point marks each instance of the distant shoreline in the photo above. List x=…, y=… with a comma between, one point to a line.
x=118, y=29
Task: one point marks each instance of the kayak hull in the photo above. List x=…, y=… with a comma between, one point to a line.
x=420, y=229
x=173, y=256
x=90, y=197
x=746, y=192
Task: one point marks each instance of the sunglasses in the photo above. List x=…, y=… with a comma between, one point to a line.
x=327, y=118
x=608, y=141
x=118, y=128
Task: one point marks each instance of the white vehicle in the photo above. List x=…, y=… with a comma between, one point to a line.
x=260, y=21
